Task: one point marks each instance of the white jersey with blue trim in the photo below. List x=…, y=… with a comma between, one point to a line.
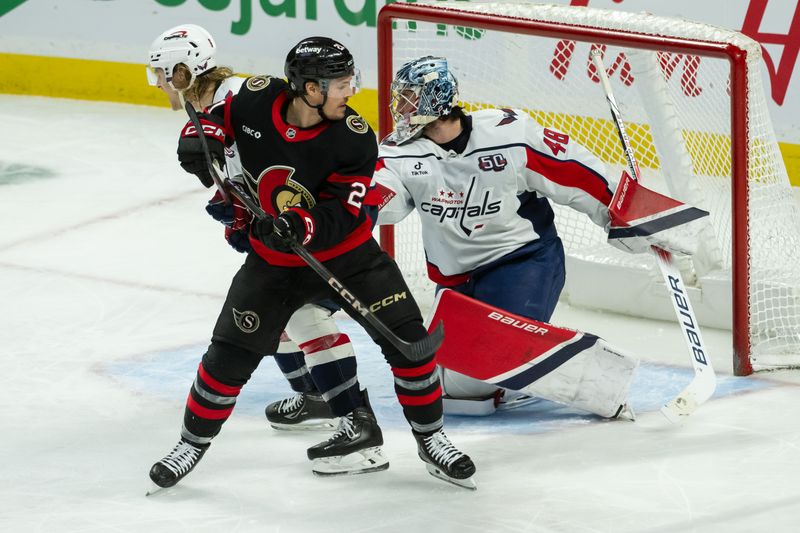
x=233, y=165
x=491, y=199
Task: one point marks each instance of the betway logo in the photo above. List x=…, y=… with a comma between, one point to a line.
x=466, y=213
x=519, y=324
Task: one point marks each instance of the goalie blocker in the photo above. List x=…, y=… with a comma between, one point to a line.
x=520, y=354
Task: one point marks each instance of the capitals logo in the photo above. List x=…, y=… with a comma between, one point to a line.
x=476, y=207
x=277, y=191
x=509, y=116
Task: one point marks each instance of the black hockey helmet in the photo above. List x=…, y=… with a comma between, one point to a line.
x=317, y=59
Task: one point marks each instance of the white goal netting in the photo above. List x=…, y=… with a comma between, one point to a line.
x=677, y=103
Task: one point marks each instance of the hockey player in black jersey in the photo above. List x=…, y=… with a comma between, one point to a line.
x=307, y=159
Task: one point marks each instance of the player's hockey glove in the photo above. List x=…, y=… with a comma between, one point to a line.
x=281, y=232
x=239, y=239
x=190, y=148
x=233, y=215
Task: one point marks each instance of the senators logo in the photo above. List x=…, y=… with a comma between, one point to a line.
x=246, y=321
x=277, y=191
x=256, y=83
x=357, y=124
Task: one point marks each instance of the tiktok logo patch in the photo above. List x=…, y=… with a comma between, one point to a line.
x=418, y=169
x=246, y=321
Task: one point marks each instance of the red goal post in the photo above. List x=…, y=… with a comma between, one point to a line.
x=763, y=309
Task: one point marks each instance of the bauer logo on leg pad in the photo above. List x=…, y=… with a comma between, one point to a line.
x=246, y=321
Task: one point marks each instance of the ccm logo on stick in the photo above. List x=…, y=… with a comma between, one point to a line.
x=525, y=326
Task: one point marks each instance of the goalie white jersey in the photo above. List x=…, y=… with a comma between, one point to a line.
x=490, y=200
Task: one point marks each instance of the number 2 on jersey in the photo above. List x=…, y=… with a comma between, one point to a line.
x=357, y=194
x=555, y=140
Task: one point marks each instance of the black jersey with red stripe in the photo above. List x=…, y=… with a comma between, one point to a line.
x=322, y=172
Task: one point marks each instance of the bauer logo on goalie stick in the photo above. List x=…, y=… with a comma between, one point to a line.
x=688, y=323
x=246, y=321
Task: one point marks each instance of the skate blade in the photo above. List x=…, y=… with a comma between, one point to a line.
x=468, y=483
x=363, y=461
x=626, y=412
x=328, y=424
x=516, y=403
x=155, y=489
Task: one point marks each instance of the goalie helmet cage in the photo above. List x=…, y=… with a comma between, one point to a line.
x=697, y=117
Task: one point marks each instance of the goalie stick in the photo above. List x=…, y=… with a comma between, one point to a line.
x=413, y=351
x=704, y=382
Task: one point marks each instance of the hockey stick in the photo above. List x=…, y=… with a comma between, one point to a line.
x=413, y=351
x=704, y=382
x=216, y=174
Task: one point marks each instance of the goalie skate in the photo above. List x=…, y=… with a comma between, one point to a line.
x=445, y=461
x=355, y=448
x=176, y=465
x=625, y=412
x=303, y=411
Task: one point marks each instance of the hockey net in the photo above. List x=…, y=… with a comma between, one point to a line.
x=697, y=117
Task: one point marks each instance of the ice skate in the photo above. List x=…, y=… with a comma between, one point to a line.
x=445, y=461
x=355, y=448
x=625, y=412
x=303, y=411
x=174, y=467
x=513, y=399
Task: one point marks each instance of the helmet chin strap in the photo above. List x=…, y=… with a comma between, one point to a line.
x=317, y=107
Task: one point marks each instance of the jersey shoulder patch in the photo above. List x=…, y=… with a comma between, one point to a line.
x=257, y=83
x=357, y=124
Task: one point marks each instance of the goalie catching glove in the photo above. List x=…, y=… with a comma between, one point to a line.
x=291, y=227
x=190, y=148
x=641, y=218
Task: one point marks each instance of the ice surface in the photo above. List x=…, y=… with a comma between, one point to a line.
x=112, y=276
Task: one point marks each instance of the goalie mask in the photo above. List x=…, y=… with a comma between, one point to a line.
x=422, y=91
x=188, y=44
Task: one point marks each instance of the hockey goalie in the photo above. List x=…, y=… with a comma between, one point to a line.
x=482, y=184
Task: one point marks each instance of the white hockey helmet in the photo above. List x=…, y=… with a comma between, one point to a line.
x=188, y=44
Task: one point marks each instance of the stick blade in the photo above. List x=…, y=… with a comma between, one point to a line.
x=424, y=348
x=696, y=393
